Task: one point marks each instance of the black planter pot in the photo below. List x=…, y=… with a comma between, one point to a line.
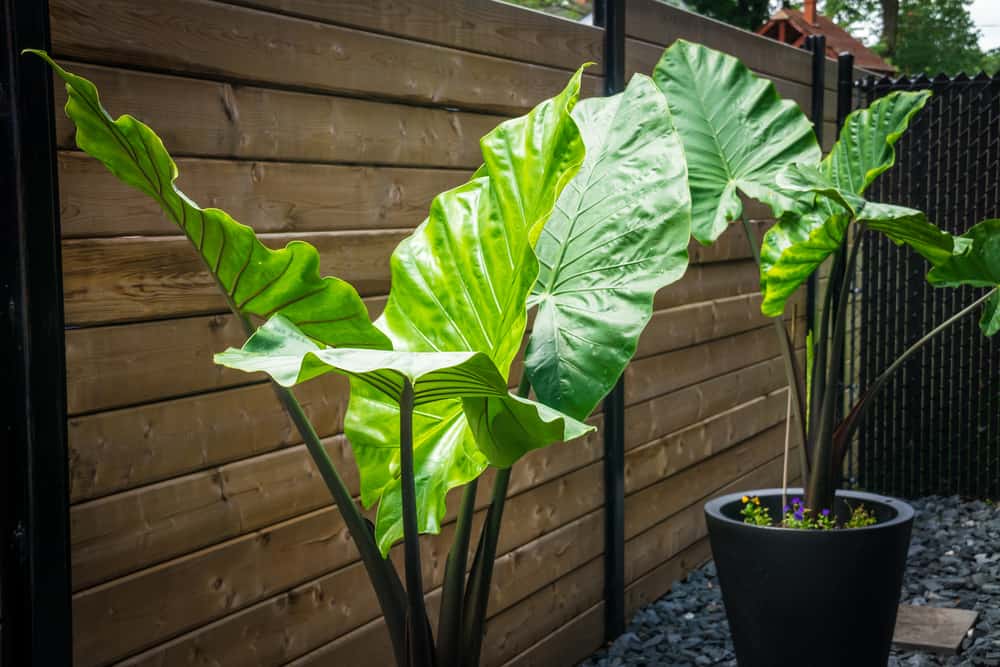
x=810, y=598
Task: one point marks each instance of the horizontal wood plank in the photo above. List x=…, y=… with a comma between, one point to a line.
x=695, y=323
x=137, y=278
x=651, y=376
x=200, y=117
x=251, y=46
x=271, y=197
x=483, y=26
x=140, y=278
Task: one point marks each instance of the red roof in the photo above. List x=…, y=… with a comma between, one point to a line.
x=790, y=26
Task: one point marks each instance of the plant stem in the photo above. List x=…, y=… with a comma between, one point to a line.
x=793, y=374
x=452, y=592
x=820, y=491
x=420, y=648
x=381, y=571
x=821, y=345
x=477, y=595
x=853, y=421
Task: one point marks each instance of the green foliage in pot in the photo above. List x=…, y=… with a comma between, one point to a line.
x=580, y=209
x=739, y=137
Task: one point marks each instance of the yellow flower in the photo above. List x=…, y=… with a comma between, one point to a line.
x=756, y=500
x=745, y=499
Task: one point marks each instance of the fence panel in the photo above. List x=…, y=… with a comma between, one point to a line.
x=200, y=529
x=936, y=427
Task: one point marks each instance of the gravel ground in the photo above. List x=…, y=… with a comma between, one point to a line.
x=954, y=561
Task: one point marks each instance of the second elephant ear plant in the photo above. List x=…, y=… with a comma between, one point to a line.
x=580, y=209
x=812, y=579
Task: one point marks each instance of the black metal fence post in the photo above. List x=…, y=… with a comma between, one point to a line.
x=37, y=624
x=816, y=44
x=845, y=104
x=610, y=14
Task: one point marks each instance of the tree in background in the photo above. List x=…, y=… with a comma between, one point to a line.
x=936, y=36
x=929, y=36
x=746, y=14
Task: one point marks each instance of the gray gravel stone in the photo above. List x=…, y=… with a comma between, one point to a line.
x=954, y=561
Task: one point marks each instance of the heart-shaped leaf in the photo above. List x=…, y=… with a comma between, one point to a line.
x=619, y=233
x=811, y=231
x=460, y=283
x=978, y=266
x=258, y=281
x=737, y=133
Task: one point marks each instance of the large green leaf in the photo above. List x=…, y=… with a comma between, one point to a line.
x=978, y=266
x=504, y=425
x=619, y=233
x=737, y=133
x=808, y=233
x=258, y=281
x=460, y=283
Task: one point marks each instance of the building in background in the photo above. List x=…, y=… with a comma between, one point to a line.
x=792, y=26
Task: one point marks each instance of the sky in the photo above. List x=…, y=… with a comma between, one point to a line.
x=986, y=15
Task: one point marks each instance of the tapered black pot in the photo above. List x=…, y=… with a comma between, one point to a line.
x=810, y=598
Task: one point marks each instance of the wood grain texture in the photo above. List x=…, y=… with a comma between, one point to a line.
x=652, y=376
x=199, y=117
x=482, y=26
x=271, y=197
x=251, y=46
x=140, y=278
x=695, y=323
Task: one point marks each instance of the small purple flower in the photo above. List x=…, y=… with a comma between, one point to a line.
x=798, y=514
x=796, y=501
x=786, y=509
x=825, y=512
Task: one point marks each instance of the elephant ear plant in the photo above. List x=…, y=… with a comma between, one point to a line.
x=741, y=138
x=580, y=209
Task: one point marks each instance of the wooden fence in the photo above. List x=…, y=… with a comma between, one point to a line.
x=201, y=533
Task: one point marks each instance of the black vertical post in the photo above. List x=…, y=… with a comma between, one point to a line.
x=816, y=44
x=36, y=621
x=845, y=104
x=610, y=14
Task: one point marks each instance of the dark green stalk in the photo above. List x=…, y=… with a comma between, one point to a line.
x=821, y=348
x=820, y=491
x=793, y=374
x=453, y=590
x=850, y=425
x=477, y=594
x=420, y=645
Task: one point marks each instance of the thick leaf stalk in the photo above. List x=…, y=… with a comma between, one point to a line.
x=449, y=634
x=421, y=644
